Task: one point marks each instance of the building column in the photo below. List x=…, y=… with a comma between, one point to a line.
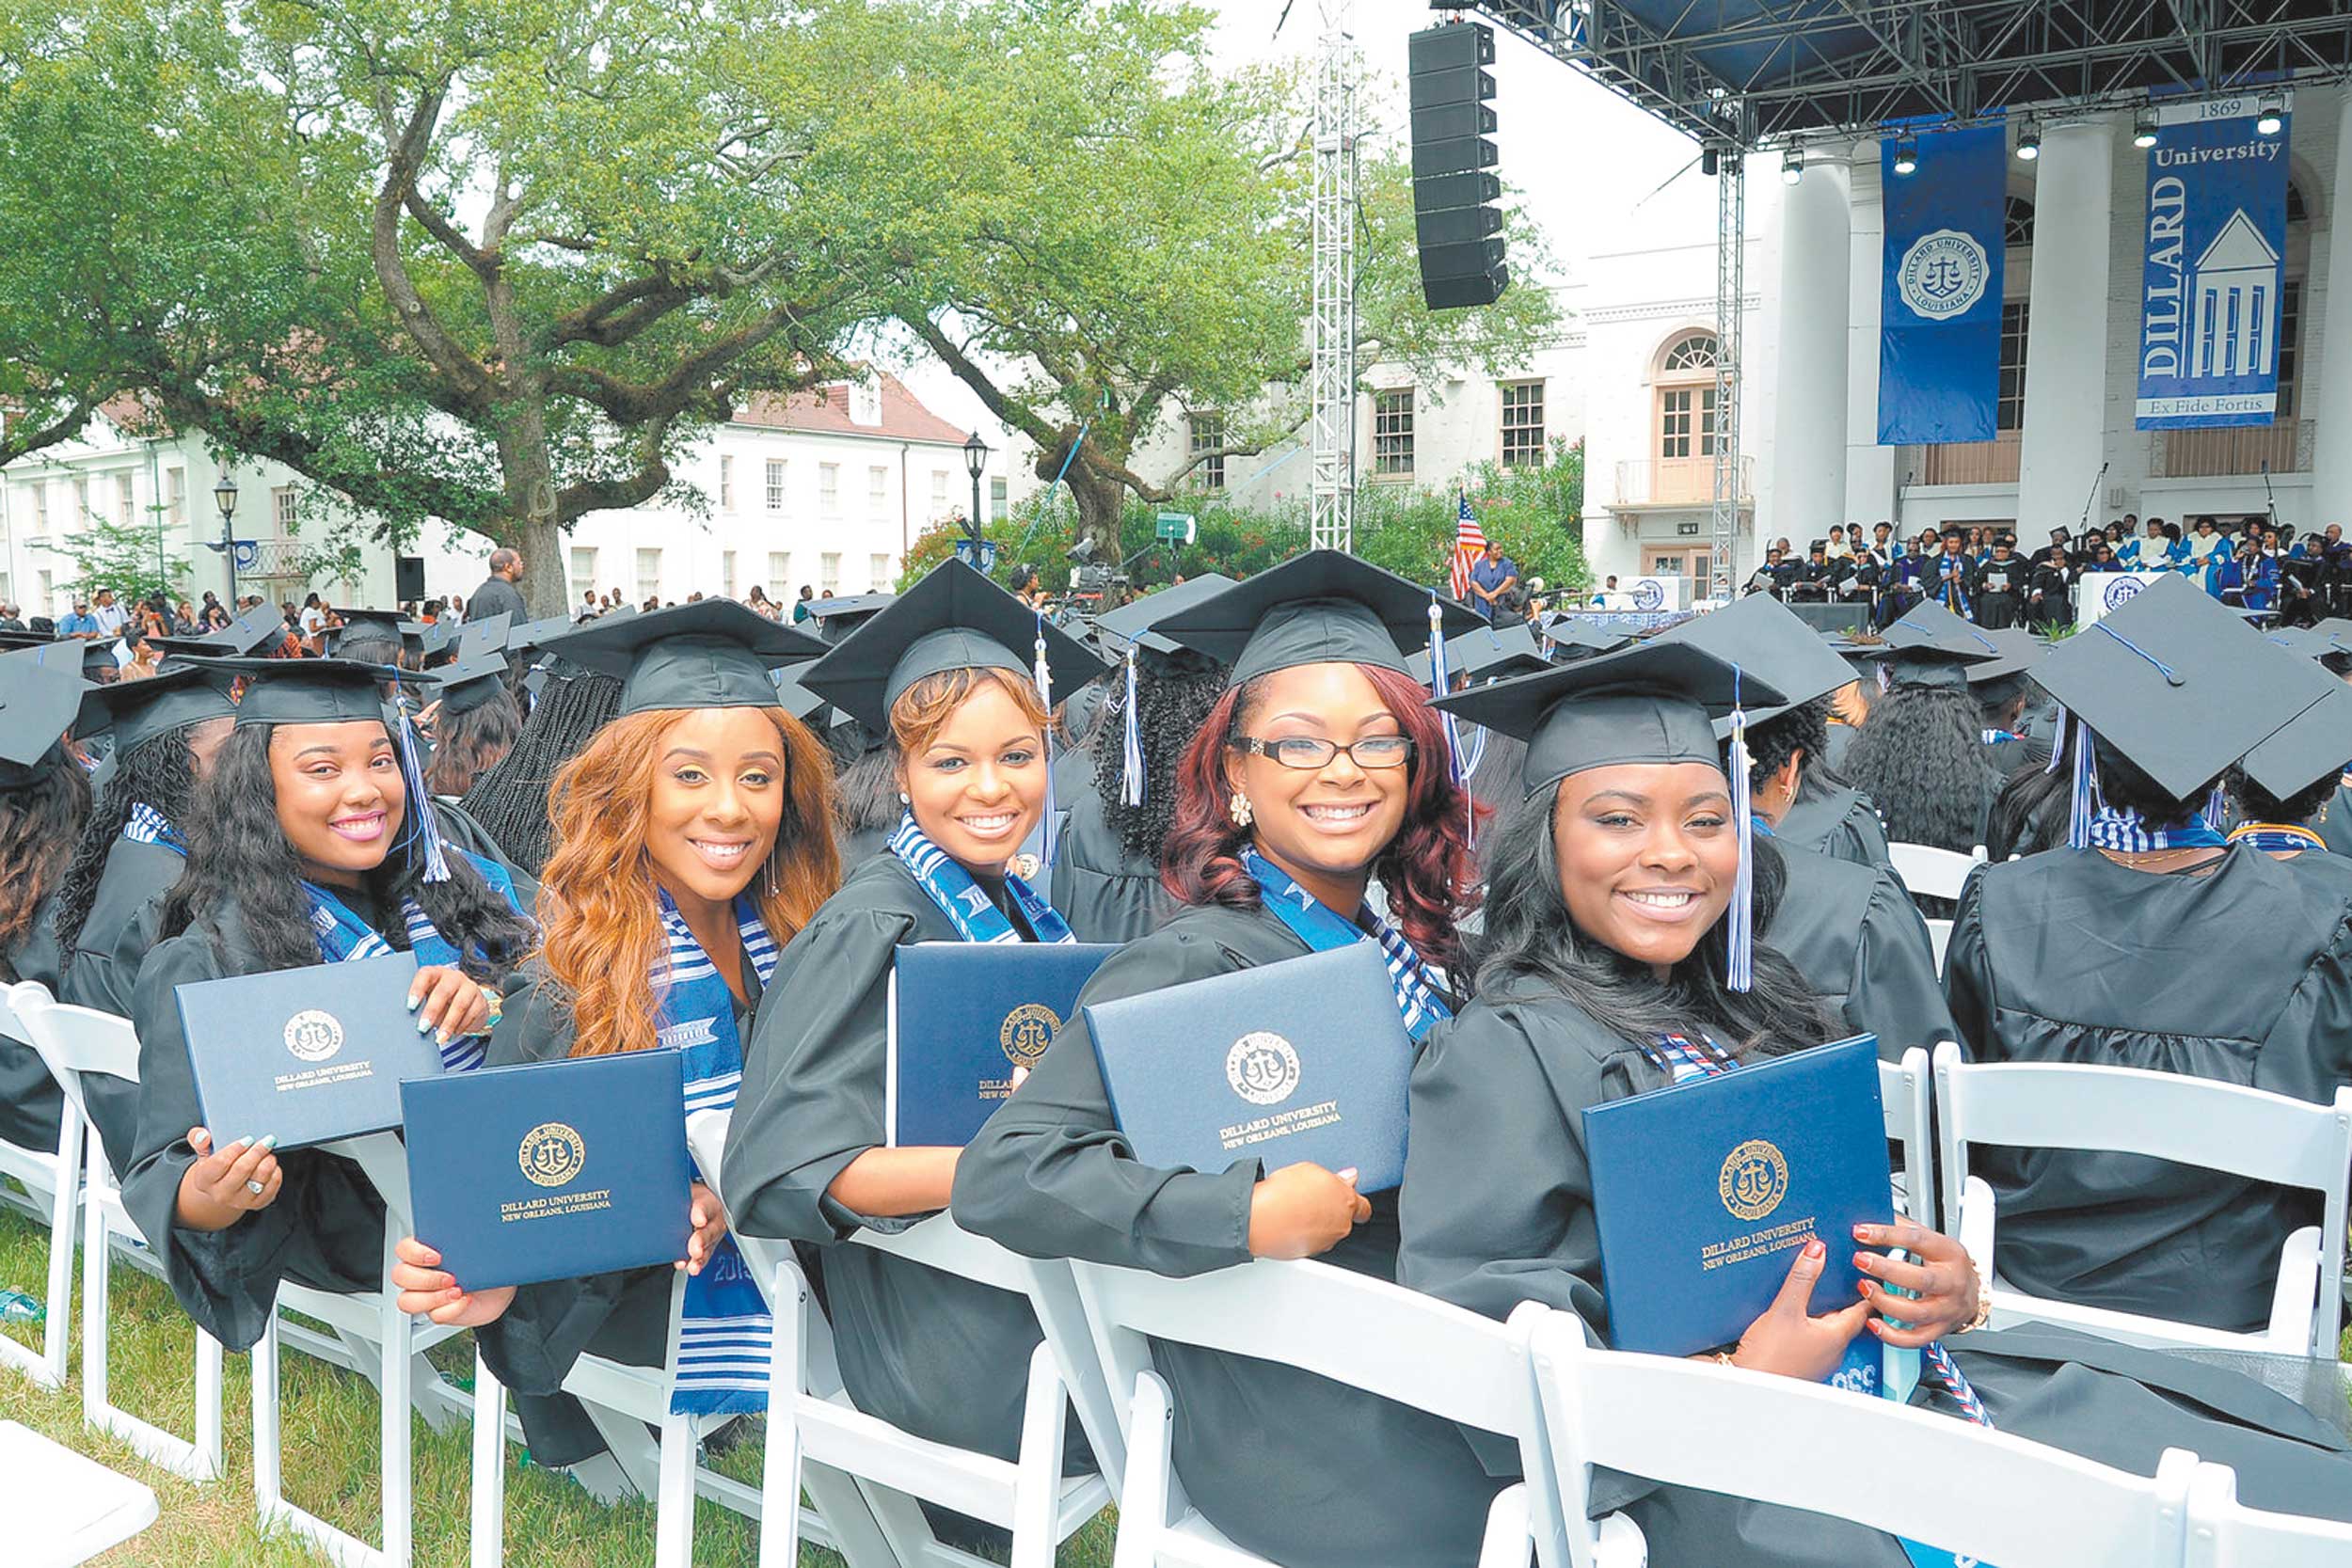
x=1808, y=468
x=2066, y=329
x=2331, y=411
x=1870, y=478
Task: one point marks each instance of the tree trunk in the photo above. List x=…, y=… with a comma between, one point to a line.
x=528, y=469
x=1101, y=501
x=546, y=577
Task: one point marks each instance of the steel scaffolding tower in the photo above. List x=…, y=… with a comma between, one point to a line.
x=1731, y=213
x=1331, y=518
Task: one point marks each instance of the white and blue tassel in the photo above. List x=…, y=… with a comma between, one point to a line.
x=420, y=797
x=1440, y=682
x=1740, y=964
x=1131, y=750
x=2083, y=803
x=1044, y=677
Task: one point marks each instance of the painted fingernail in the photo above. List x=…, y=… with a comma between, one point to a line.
x=1862, y=1233
x=267, y=1141
x=1813, y=1247
x=414, y=1000
x=441, y=1038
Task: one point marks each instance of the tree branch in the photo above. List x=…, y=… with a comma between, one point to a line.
x=992, y=398
x=465, y=374
x=21, y=441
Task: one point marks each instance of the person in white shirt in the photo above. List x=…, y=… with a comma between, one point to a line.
x=109, y=615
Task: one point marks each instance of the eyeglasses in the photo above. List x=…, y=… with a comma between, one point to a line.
x=1307, y=753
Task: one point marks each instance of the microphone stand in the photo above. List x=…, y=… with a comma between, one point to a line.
x=2092, y=500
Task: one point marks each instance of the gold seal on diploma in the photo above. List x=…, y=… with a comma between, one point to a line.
x=552, y=1155
x=1754, y=1179
x=1027, y=1030
x=313, y=1036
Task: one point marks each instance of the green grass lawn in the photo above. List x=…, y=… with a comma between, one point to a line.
x=329, y=1442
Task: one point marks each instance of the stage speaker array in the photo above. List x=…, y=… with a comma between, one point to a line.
x=1458, y=219
x=407, y=578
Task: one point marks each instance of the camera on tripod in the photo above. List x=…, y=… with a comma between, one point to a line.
x=1092, y=575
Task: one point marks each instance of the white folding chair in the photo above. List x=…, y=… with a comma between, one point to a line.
x=1994, y=1499
x=2225, y=1534
x=1904, y=1103
x=74, y=1043
x=1933, y=873
x=2194, y=1121
x=1939, y=939
x=63, y=1509
x=814, y=1428
x=1365, y=1333
x=51, y=1176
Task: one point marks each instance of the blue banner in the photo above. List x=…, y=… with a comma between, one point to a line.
x=2215, y=247
x=1940, y=287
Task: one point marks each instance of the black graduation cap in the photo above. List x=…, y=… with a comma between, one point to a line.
x=435, y=641
x=384, y=623
x=1322, y=608
x=834, y=619
x=954, y=619
x=2178, y=685
x=488, y=634
x=1999, y=679
x=98, y=657
x=1653, y=702
x=531, y=636
x=796, y=699
x=38, y=698
x=307, y=690
x=138, y=711
x=263, y=626
x=1576, y=637
x=468, y=683
x=1932, y=646
x=1136, y=622
x=1770, y=642
x=713, y=653
x=1490, y=653
x=11, y=637
x=2314, y=745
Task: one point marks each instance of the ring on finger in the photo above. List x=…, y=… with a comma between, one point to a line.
x=256, y=1188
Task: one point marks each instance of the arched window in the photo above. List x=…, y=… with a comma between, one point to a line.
x=2016, y=222
x=1685, y=414
x=1694, y=351
x=2298, y=212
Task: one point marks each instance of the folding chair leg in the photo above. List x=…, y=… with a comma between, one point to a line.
x=1037, y=1489
x=857, y=1536
x=673, y=1507
x=268, y=1480
x=1507, y=1541
x=393, y=1407
x=1143, y=1496
x=487, y=1528
x=46, y=1365
x=199, y=1460
x=780, y=1471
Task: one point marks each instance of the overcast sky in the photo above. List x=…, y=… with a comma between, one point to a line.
x=1587, y=164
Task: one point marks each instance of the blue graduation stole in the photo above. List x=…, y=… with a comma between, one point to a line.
x=963, y=901
x=725, y=1332
x=146, y=825
x=344, y=938
x=1321, y=929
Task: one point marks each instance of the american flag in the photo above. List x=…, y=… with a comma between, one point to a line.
x=1470, y=541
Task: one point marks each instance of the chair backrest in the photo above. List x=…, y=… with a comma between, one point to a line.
x=1936, y=873
x=2170, y=1115
x=1994, y=1497
x=1939, y=939
x=2225, y=1534
x=769, y=1259
x=1904, y=1101
x=71, y=1041
x=1364, y=1333
x=10, y=1025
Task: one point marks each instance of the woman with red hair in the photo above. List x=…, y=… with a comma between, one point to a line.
x=1320, y=770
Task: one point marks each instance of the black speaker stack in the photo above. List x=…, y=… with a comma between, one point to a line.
x=1457, y=221
x=408, y=576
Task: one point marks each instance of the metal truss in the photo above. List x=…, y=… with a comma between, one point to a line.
x=1767, y=72
x=1332, y=483
x=1731, y=222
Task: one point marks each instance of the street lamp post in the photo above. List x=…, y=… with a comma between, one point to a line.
x=976, y=463
x=224, y=496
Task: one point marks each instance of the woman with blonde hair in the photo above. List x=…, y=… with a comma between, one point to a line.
x=693, y=840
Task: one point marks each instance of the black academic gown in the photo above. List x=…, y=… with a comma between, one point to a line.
x=1287, y=1463
x=623, y=1316
x=1835, y=821
x=1105, y=893
x=1517, y=1070
x=30, y=1102
x=1858, y=940
x=2067, y=957
x=115, y=939
x=944, y=1357
x=459, y=827
x=325, y=1229
x=2334, y=826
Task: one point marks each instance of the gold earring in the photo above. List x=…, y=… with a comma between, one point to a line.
x=1238, y=809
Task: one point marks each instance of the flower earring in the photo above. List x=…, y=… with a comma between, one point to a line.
x=1238, y=809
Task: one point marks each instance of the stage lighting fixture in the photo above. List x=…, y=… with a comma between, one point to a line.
x=2144, y=129
x=1906, y=156
x=1793, y=165
x=2029, y=141
x=2273, y=118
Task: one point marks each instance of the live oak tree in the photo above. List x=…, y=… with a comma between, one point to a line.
x=1131, y=244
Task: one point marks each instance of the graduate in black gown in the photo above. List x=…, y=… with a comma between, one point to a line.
x=947, y=673
x=44, y=796
x=693, y=837
x=167, y=728
x=1279, y=832
x=2211, y=960
x=307, y=845
x=1921, y=757
x=1611, y=966
x=1106, y=870
x=2286, y=788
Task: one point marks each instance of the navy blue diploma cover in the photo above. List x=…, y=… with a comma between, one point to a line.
x=1703, y=1192
x=308, y=1055
x=963, y=1016
x=552, y=1170
x=1305, y=1059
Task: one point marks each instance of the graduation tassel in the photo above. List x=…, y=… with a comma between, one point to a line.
x=1045, y=695
x=2085, y=787
x=1440, y=682
x=1741, y=967
x=420, y=797
x=2217, y=806
x=2057, y=747
x=1131, y=757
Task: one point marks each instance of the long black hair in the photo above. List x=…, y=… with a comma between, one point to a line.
x=237, y=854
x=510, y=801
x=1531, y=940
x=39, y=820
x=1920, y=759
x=159, y=772
x=1174, y=696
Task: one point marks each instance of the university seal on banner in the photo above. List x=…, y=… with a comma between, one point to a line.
x=1754, y=1179
x=1647, y=595
x=552, y=1155
x=313, y=1036
x=1262, y=1067
x=1027, y=1030
x=2122, y=591
x=1942, y=274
